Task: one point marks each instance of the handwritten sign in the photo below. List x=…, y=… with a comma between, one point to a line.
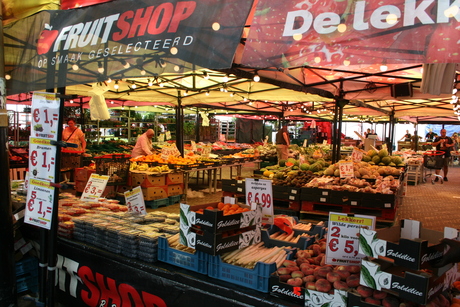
x=260, y=191
x=342, y=240
x=134, y=200
x=39, y=203
x=356, y=155
x=94, y=187
x=170, y=150
x=41, y=159
x=45, y=116
x=346, y=169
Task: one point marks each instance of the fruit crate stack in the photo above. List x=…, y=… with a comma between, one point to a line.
x=400, y=260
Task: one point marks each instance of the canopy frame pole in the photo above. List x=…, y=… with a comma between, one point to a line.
x=7, y=269
x=179, y=124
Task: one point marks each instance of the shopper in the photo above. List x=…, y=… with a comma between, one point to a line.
x=456, y=139
x=282, y=143
x=429, y=137
x=406, y=137
x=73, y=134
x=143, y=145
x=445, y=144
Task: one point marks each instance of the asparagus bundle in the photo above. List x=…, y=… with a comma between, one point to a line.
x=249, y=256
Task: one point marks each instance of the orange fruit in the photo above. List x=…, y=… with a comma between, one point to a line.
x=235, y=207
x=210, y=208
x=226, y=207
x=246, y=209
x=220, y=205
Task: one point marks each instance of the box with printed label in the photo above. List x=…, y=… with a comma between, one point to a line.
x=215, y=221
x=147, y=180
x=415, y=286
x=153, y=193
x=219, y=243
x=174, y=178
x=175, y=189
x=408, y=244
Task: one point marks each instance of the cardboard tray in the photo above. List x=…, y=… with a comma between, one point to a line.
x=408, y=244
x=415, y=286
x=302, y=243
x=197, y=262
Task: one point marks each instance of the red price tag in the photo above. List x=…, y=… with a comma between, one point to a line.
x=260, y=192
x=346, y=169
x=45, y=115
x=356, y=155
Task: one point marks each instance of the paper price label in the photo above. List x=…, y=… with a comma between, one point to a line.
x=346, y=169
x=171, y=150
x=45, y=116
x=356, y=155
x=260, y=191
x=342, y=240
x=41, y=159
x=134, y=200
x=39, y=203
x=94, y=187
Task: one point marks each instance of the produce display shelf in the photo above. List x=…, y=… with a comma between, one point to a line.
x=197, y=262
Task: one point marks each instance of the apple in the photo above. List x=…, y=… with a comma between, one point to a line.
x=46, y=39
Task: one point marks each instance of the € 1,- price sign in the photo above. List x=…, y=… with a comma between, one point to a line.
x=39, y=203
x=41, y=159
x=94, y=187
x=356, y=155
x=342, y=237
x=346, y=169
x=134, y=200
x=45, y=116
x=260, y=191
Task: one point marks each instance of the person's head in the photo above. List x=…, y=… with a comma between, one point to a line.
x=368, y=130
x=443, y=132
x=430, y=130
x=71, y=123
x=149, y=133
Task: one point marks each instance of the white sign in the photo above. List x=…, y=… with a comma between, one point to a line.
x=45, y=116
x=346, y=169
x=41, y=159
x=134, y=200
x=39, y=203
x=260, y=191
x=169, y=150
x=94, y=187
x=356, y=155
x=342, y=239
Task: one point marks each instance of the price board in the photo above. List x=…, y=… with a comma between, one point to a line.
x=94, y=187
x=45, y=116
x=346, y=169
x=356, y=155
x=342, y=238
x=39, y=203
x=260, y=191
x=134, y=200
x=42, y=156
x=170, y=150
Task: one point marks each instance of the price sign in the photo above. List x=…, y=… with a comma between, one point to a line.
x=39, y=203
x=342, y=238
x=171, y=150
x=346, y=169
x=41, y=159
x=134, y=200
x=94, y=187
x=260, y=191
x=356, y=155
x=45, y=116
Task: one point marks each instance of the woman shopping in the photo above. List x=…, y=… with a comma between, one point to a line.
x=73, y=134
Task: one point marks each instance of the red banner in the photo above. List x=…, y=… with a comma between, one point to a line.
x=72, y=4
x=341, y=33
x=130, y=39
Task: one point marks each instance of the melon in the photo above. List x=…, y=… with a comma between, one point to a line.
x=366, y=158
x=305, y=166
x=376, y=159
x=282, y=162
x=383, y=153
x=386, y=160
x=372, y=153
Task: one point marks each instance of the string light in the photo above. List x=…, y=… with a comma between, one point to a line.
x=256, y=78
x=116, y=86
x=100, y=68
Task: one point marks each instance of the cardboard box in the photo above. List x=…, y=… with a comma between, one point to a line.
x=83, y=174
x=285, y=291
x=154, y=193
x=174, y=178
x=147, y=180
x=215, y=221
x=415, y=286
x=319, y=299
x=216, y=243
x=80, y=185
x=408, y=244
x=175, y=189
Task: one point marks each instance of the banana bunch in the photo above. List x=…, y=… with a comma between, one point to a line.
x=158, y=169
x=135, y=166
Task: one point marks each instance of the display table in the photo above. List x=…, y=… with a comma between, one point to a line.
x=94, y=277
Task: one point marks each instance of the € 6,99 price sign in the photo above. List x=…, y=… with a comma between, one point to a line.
x=260, y=191
x=342, y=238
x=94, y=187
x=39, y=206
x=135, y=201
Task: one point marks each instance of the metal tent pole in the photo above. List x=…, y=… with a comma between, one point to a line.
x=7, y=267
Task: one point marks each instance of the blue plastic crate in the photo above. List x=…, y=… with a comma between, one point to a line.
x=27, y=283
x=174, y=199
x=197, y=262
x=257, y=279
x=154, y=204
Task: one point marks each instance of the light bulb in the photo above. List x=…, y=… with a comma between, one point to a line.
x=143, y=72
x=75, y=67
x=256, y=78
